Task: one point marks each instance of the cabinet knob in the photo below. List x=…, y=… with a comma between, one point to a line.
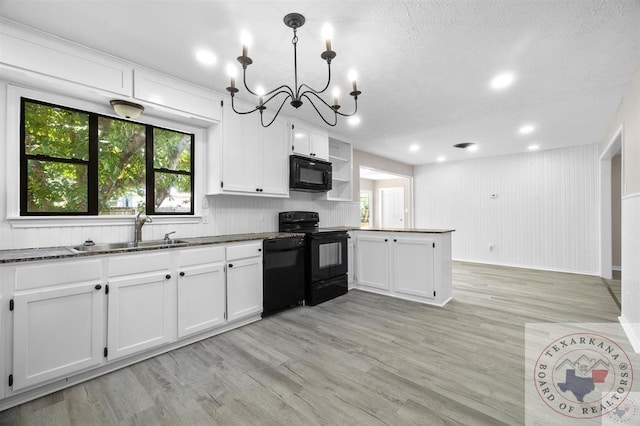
x=259, y=249
x=257, y=189
x=182, y=274
x=98, y=287
x=168, y=276
x=231, y=265
x=385, y=240
x=395, y=241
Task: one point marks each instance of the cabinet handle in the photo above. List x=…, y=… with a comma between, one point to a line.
x=182, y=274
x=98, y=287
x=168, y=276
x=231, y=265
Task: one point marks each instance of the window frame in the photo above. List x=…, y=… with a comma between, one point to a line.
x=93, y=165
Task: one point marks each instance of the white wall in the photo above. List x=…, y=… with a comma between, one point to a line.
x=545, y=214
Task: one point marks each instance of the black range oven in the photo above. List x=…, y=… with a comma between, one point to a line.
x=326, y=262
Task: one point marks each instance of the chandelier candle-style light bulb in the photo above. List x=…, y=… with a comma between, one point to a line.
x=245, y=39
x=327, y=35
x=297, y=93
x=260, y=93
x=353, y=76
x=336, y=98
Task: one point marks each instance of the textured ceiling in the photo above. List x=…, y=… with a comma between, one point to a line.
x=424, y=66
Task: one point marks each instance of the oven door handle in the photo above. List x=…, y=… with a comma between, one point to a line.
x=329, y=237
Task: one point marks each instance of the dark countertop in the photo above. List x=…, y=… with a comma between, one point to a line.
x=48, y=253
x=414, y=230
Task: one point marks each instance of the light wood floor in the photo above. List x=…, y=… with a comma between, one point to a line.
x=360, y=359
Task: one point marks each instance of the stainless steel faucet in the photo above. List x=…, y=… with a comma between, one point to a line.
x=141, y=219
x=166, y=236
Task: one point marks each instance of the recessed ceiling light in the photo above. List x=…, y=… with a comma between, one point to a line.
x=502, y=80
x=533, y=147
x=206, y=57
x=440, y=159
x=526, y=129
x=354, y=121
x=414, y=147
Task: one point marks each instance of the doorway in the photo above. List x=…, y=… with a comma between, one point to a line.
x=611, y=192
x=385, y=199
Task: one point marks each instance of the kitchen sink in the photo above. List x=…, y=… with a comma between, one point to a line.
x=129, y=245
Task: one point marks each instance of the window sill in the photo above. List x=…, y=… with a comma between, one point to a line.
x=68, y=221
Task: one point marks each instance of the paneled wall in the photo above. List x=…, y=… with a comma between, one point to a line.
x=226, y=215
x=537, y=210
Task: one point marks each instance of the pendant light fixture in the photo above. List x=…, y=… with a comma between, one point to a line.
x=298, y=92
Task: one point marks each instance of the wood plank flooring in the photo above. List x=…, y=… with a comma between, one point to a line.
x=361, y=359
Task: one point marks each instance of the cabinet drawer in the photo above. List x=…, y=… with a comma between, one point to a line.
x=242, y=251
x=199, y=256
x=128, y=264
x=56, y=273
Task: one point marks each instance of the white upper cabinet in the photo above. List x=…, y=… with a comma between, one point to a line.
x=24, y=51
x=254, y=159
x=169, y=92
x=309, y=141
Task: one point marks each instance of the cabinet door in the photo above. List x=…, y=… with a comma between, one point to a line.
x=138, y=314
x=320, y=145
x=57, y=332
x=201, y=298
x=413, y=267
x=241, y=152
x=275, y=170
x=372, y=261
x=301, y=140
x=244, y=288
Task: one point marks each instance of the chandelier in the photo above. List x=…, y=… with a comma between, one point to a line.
x=298, y=92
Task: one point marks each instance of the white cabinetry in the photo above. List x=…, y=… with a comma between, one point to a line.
x=340, y=156
x=254, y=160
x=414, y=266
x=244, y=280
x=372, y=260
x=201, y=289
x=178, y=95
x=58, y=321
x=309, y=141
x=37, y=56
x=141, y=301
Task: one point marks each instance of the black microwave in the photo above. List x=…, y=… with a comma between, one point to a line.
x=308, y=174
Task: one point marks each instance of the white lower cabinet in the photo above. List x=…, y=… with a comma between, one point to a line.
x=372, y=260
x=57, y=332
x=139, y=313
x=414, y=266
x=201, y=290
x=64, y=319
x=244, y=280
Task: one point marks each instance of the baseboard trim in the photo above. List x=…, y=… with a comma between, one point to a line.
x=632, y=334
x=537, y=268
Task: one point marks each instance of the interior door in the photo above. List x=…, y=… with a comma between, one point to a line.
x=392, y=207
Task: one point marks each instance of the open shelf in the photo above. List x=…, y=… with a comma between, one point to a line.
x=340, y=155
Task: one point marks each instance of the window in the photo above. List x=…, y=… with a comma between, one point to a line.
x=80, y=163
